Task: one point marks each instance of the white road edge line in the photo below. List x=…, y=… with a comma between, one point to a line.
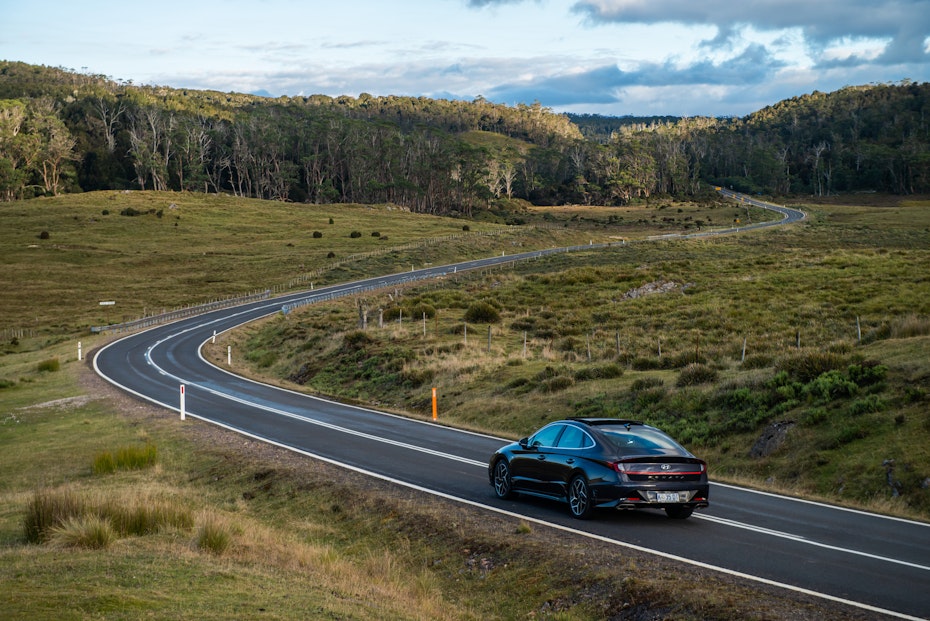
x=799, y=539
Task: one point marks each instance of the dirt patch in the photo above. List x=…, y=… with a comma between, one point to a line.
x=68, y=403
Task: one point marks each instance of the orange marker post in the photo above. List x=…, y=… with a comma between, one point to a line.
x=434, y=403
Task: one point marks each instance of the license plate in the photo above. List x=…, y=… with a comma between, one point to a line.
x=666, y=496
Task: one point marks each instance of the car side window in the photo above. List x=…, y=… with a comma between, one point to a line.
x=574, y=438
x=547, y=436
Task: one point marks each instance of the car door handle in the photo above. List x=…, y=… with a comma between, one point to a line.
x=541, y=458
x=569, y=461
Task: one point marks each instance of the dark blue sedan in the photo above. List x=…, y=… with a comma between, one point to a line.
x=594, y=463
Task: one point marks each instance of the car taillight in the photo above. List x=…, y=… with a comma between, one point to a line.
x=639, y=468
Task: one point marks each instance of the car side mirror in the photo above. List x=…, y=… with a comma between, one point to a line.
x=524, y=442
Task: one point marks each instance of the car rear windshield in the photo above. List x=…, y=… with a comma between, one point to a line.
x=642, y=441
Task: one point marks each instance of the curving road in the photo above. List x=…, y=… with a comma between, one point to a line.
x=878, y=565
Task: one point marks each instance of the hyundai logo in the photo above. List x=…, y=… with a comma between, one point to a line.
x=666, y=466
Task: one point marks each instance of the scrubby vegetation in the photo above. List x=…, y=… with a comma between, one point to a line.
x=820, y=329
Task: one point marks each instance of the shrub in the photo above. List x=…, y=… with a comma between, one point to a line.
x=757, y=361
x=49, y=509
x=105, y=212
x=375, y=234
x=146, y=517
x=645, y=383
x=355, y=234
x=357, y=339
x=317, y=234
x=868, y=373
x=331, y=255
x=596, y=372
x=910, y=326
x=466, y=228
x=696, y=373
x=212, y=536
x=867, y=405
x=44, y=235
x=420, y=308
x=482, y=312
x=809, y=366
x=128, y=458
x=86, y=531
x=557, y=383
x=49, y=366
x=131, y=212
x=643, y=363
x=831, y=385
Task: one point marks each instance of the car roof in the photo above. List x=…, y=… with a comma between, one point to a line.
x=596, y=422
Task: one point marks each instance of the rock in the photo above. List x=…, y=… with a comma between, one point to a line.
x=771, y=439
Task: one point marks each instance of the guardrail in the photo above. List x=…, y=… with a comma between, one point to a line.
x=154, y=320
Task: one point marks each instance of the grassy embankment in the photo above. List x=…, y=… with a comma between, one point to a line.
x=819, y=331
x=110, y=509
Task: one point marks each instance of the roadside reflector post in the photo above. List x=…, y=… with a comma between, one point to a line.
x=434, y=403
x=229, y=355
x=79, y=351
x=214, y=336
x=182, y=401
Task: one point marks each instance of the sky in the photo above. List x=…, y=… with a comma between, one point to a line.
x=611, y=57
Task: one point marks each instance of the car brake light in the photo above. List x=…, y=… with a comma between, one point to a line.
x=629, y=468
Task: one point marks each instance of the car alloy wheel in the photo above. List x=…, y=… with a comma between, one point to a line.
x=579, y=498
x=503, y=486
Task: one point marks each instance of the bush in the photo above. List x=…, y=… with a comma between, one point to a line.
x=645, y=383
x=831, y=385
x=212, y=536
x=47, y=510
x=44, y=235
x=49, y=366
x=596, y=372
x=809, y=366
x=317, y=234
x=868, y=373
x=375, y=234
x=128, y=458
x=557, y=383
x=86, y=531
x=355, y=234
x=696, y=373
x=867, y=405
x=482, y=312
x=757, y=361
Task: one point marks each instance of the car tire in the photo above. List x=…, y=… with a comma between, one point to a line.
x=580, y=502
x=679, y=513
x=503, y=482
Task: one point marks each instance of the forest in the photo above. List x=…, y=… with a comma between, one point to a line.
x=63, y=131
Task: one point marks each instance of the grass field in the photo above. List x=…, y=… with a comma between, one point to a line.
x=147, y=518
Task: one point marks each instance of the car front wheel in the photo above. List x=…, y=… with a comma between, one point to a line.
x=503, y=484
x=580, y=502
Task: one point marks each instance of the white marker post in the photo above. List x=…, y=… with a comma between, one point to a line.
x=79, y=351
x=229, y=355
x=182, y=401
x=214, y=336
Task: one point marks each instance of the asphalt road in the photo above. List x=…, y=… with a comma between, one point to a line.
x=876, y=564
